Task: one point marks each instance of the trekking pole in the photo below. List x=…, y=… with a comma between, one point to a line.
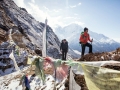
x=92, y=41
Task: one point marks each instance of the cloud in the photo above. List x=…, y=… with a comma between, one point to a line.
x=67, y=4
x=79, y=23
x=75, y=14
x=72, y=18
x=68, y=17
x=36, y=12
x=46, y=8
x=20, y=3
x=79, y=4
x=73, y=6
x=33, y=1
x=56, y=10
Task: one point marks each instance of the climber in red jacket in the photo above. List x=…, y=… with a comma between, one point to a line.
x=84, y=38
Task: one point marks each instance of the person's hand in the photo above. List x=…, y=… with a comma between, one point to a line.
x=91, y=40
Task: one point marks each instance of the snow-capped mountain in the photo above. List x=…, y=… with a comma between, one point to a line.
x=72, y=32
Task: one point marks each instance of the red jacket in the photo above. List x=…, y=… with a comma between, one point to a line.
x=84, y=38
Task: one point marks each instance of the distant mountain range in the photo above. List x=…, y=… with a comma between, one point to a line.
x=101, y=43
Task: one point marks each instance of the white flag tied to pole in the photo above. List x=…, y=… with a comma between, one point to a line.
x=14, y=61
x=44, y=40
x=72, y=84
x=12, y=55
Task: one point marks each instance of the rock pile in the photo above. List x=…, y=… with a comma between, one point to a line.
x=104, y=56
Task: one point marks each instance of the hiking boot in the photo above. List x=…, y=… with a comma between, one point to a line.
x=82, y=56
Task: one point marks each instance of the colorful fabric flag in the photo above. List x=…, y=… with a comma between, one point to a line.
x=99, y=78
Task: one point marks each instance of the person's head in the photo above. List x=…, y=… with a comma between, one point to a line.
x=64, y=40
x=85, y=29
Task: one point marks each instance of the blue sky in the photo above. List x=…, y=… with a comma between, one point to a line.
x=100, y=16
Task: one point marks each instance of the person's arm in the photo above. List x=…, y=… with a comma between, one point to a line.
x=67, y=46
x=60, y=46
x=89, y=38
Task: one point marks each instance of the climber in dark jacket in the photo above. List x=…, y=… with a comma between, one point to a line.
x=64, y=48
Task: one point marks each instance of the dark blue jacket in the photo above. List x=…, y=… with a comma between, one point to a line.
x=64, y=46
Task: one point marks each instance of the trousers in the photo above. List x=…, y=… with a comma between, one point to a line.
x=83, y=48
x=64, y=53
